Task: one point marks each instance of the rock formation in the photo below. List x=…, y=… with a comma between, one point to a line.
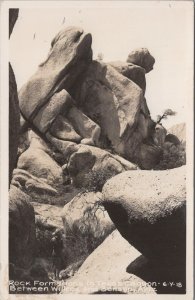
x=148, y=209
x=21, y=229
x=82, y=123
x=72, y=99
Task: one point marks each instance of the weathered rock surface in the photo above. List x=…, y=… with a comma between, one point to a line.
x=142, y=58
x=38, y=163
x=21, y=229
x=113, y=102
x=63, y=129
x=104, y=271
x=131, y=71
x=86, y=224
x=48, y=113
x=148, y=209
x=50, y=215
x=69, y=56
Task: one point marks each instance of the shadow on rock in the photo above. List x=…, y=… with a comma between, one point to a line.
x=165, y=279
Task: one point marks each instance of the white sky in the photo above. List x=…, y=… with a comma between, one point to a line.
x=164, y=27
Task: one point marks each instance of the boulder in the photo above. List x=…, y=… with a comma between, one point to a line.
x=51, y=215
x=21, y=229
x=39, y=164
x=88, y=129
x=86, y=225
x=114, y=103
x=14, y=122
x=131, y=71
x=47, y=114
x=148, y=209
x=69, y=56
x=104, y=271
x=63, y=129
x=29, y=183
x=142, y=58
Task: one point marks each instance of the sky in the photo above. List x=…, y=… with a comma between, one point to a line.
x=117, y=28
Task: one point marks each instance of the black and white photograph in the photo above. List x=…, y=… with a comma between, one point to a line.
x=97, y=149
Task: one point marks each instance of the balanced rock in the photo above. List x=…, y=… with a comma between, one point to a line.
x=142, y=58
x=21, y=229
x=69, y=56
x=148, y=209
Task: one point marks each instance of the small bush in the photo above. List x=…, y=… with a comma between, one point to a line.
x=96, y=179
x=174, y=156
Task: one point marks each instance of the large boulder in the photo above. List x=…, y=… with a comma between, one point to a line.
x=22, y=238
x=114, y=102
x=142, y=58
x=86, y=225
x=104, y=271
x=40, y=164
x=148, y=209
x=69, y=56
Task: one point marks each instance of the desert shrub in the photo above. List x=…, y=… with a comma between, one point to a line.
x=96, y=179
x=174, y=156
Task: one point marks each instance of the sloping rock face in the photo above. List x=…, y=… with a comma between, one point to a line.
x=148, y=208
x=22, y=238
x=69, y=56
x=104, y=271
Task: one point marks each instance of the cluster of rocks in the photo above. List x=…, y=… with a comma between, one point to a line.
x=83, y=121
